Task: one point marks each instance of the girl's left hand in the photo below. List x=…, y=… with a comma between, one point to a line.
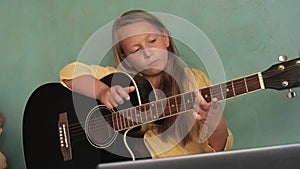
x=203, y=110
x=211, y=115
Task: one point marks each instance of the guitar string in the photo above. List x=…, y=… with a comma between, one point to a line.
x=100, y=120
x=95, y=121
x=288, y=68
x=270, y=72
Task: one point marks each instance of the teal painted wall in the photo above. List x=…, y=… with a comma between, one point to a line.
x=39, y=37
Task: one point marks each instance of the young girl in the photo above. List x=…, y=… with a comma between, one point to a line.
x=142, y=45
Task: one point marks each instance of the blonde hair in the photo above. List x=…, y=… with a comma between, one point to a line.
x=168, y=84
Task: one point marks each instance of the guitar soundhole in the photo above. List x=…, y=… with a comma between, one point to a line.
x=98, y=127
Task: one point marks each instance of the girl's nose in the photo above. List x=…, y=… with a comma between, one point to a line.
x=147, y=53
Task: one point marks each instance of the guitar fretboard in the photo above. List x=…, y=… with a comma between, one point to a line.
x=180, y=103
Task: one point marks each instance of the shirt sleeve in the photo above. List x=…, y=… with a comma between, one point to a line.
x=200, y=78
x=77, y=69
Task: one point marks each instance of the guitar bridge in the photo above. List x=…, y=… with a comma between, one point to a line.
x=64, y=136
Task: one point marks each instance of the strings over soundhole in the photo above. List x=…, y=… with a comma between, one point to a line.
x=98, y=127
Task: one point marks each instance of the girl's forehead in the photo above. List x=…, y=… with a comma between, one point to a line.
x=137, y=28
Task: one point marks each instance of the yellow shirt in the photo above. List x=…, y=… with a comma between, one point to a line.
x=156, y=145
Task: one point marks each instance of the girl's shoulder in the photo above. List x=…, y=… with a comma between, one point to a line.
x=200, y=77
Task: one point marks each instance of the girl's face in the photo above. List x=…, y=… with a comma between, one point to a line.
x=144, y=47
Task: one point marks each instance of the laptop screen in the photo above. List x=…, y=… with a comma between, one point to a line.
x=273, y=157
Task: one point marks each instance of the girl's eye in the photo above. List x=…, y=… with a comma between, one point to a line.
x=135, y=51
x=152, y=40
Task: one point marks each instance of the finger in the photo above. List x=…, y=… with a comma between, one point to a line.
x=197, y=116
x=214, y=103
x=118, y=98
x=124, y=92
x=109, y=104
x=201, y=101
x=131, y=89
x=201, y=115
x=127, y=90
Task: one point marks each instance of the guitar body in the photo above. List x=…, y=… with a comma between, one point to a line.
x=41, y=139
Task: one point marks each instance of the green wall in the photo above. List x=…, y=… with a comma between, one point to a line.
x=39, y=37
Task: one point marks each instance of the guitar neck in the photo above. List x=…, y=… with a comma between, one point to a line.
x=234, y=88
x=180, y=103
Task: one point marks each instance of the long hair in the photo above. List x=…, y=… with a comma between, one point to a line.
x=168, y=84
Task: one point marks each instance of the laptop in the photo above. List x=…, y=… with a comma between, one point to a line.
x=273, y=157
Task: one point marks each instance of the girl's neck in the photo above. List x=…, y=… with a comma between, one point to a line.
x=155, y=80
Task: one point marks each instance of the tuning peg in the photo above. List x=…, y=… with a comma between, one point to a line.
x=291, y=94
x=282, y=58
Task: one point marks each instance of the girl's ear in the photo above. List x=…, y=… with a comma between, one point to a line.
x=166, y=38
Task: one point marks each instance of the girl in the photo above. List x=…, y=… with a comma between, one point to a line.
x=142, y=45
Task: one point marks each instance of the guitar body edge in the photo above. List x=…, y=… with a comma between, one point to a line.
x=40, y=132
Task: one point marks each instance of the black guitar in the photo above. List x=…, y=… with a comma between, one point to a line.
x=66, y=130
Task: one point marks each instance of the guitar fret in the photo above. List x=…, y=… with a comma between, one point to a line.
x=136, y=116
x=222, y=94
x=127, y=118
x=140, y=114
x=118, y=121
x=176, y=104
x=115, y=123
x=233, y=90
x=167, y=107
x=216, y=92
x=246, y=86
x=150, y=109
x=224, y=90
x=131, y=117
x=156, y=110
x=121, y=122
x=155, y=116
x=179, y=100
x=239, y=86
x=145, y=113
x=162, y=108
x=150, y=112
x=192, y=97
x=184, y=102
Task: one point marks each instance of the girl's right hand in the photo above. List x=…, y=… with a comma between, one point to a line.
x=114, y=96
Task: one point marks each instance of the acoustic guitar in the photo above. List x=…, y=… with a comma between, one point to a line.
x=66, y=130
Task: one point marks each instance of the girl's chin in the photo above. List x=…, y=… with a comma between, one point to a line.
x=152, y=71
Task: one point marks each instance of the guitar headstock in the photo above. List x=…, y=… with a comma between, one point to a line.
x=284, y=75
